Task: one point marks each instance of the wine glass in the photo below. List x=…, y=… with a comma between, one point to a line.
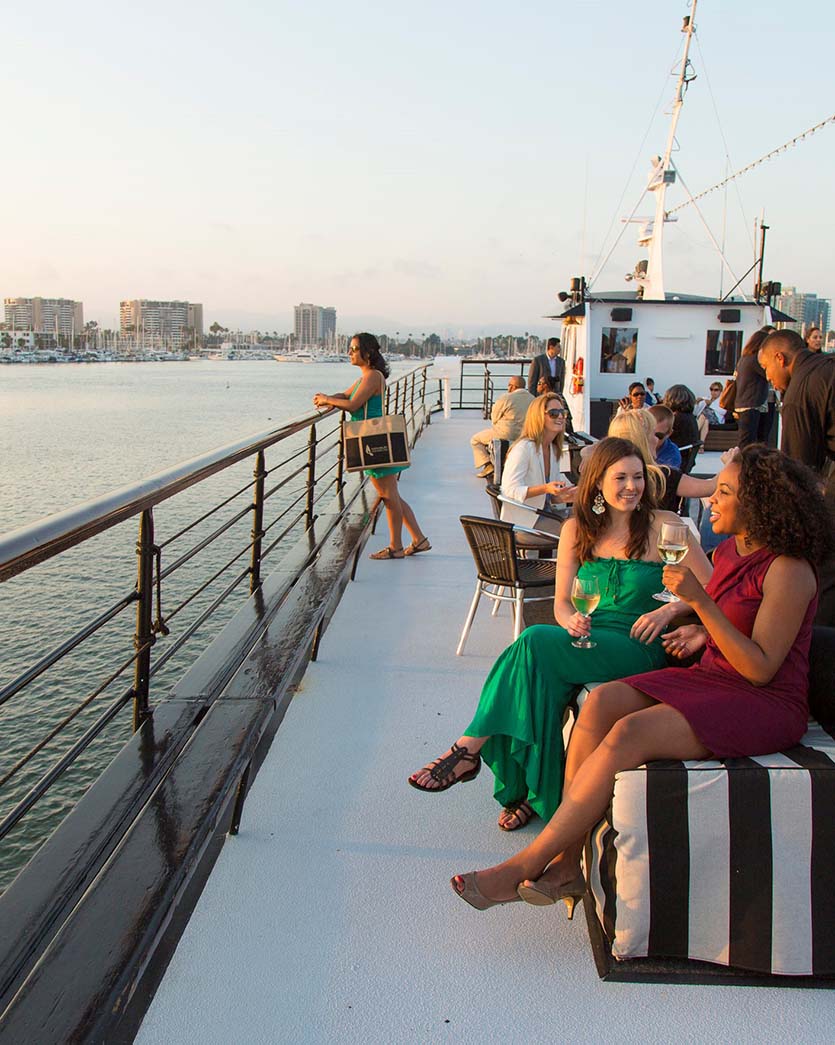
x=585, y=595
x=673, y=545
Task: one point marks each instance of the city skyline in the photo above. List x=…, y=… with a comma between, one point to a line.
x=447, y=170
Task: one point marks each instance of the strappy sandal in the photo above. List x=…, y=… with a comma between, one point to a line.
x=523, y=813
x=421, y=546
x=442, y=770
x=388, y=553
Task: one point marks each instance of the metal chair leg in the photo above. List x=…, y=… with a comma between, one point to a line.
x=468, y=623
x=518, y=616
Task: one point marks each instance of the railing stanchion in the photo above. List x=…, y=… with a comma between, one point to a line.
x=144, y=637
x=340, y=455
x=260, y=474
x=311, y=475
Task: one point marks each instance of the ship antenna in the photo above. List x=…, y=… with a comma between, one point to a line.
x=663, y=175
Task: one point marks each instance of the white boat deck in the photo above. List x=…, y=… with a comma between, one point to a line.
x=330, y=918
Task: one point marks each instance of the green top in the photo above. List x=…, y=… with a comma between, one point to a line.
x=374, y=406
x=626, y=590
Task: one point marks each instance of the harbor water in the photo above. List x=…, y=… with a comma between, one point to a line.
x=69, y=433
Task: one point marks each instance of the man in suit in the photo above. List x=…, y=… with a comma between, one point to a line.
x=551, y=364
x=508, y=416
x=807, y=382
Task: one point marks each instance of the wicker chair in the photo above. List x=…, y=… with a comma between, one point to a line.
x=528, y=539
x=502, y=575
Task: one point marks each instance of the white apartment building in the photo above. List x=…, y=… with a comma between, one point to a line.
x=314, y=324
x=170, y=322
x=45, y=315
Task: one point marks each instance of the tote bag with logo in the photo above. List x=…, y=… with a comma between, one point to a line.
x=376, y=442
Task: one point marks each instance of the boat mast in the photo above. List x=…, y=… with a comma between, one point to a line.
x=662, y=175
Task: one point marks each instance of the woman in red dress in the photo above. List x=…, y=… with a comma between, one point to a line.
x=748, y=694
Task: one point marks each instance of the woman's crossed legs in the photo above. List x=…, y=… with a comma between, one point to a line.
x=618, y=728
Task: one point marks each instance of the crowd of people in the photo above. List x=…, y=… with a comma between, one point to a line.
x=720, y=672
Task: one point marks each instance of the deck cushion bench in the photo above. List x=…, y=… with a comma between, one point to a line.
x=703, y=870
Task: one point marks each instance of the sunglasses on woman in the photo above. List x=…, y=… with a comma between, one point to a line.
x=556, y=413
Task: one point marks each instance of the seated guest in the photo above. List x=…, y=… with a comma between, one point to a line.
x=634, y=399
x=681, y=400
x=508, y=416
x=708, y=411
x=747, y=696
x=532, y=470
x=517, y=730
x=666, y=452
x=671, y=484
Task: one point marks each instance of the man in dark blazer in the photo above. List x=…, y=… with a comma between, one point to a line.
x=550, y=364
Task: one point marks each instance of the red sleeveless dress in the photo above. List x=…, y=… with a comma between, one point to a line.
x=732, y=717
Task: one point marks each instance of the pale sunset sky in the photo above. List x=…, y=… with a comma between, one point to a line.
x=433, y=166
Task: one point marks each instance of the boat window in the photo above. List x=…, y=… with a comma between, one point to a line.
x=618, y=350
x=722, y=351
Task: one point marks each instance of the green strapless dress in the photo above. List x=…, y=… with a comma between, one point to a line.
x=529, y=687
x=374, y=408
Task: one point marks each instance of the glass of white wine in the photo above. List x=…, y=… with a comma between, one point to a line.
x=672, y=547
x=585, y=595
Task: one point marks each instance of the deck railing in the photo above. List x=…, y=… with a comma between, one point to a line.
x=194, y=567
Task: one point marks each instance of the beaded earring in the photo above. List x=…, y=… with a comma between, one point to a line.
x=598, y=505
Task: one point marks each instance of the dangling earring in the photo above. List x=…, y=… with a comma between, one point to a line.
x=598, y=505
x=638, y=506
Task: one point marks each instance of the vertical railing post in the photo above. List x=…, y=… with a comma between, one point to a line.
x=144, y=636
x=340, y=458
x=311, y=474
x=260, y=474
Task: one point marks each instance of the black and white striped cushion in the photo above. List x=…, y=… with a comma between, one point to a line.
x=729, y=861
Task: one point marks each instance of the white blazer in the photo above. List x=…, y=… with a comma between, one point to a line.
x=524, y=468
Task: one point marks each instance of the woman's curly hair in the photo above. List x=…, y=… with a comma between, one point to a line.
x=782, y=504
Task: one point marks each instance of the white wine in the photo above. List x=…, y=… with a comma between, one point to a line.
x=672, y=554
x=585, y=604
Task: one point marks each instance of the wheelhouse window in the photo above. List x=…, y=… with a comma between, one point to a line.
x=722, y=351
x=618, y=350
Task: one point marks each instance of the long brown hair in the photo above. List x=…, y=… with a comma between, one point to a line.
x=591, y=527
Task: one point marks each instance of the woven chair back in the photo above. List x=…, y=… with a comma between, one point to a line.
x=494, y=549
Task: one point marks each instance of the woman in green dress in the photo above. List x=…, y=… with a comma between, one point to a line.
x=517, y=729
x=365, y=399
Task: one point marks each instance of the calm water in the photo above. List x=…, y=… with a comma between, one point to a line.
x=69, y=433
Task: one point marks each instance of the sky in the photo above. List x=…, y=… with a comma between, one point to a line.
x=446, y=166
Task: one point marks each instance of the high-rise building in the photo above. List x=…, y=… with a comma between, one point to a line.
x=328, y=328
x=807, y=309
x=172, y=322
x=45, y=315
x=314, y=324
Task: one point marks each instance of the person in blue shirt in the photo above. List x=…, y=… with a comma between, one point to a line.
x=667, y=453
x=651, y=398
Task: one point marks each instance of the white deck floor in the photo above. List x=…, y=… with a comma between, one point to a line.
x=330, y=917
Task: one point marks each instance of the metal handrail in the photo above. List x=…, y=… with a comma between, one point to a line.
x=317, y=469
x=38, y=541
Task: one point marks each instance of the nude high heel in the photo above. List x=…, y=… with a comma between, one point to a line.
x=473, y=895
x=544, y=894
